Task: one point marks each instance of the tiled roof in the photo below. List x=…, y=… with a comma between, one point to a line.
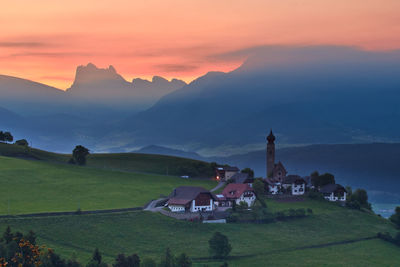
x=290, y=179
x=182, y=195
x=235, y=190
x=331, y=188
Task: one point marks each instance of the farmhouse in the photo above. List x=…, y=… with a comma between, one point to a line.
x=238, y=193
x=272, y=187
x=334, y=192
x=191, y=199
x=295, y=183
x=225, y=173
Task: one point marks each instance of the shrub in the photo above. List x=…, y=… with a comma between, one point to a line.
x=219, y=246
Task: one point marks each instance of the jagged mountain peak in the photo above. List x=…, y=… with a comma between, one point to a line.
x=92, y=74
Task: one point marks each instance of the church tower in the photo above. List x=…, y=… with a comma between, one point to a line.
x=270, y=154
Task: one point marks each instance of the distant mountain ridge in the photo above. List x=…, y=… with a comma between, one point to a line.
x=107, y=87
x=97, y=101
x=308, y=94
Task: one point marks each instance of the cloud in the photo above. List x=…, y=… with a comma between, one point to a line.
x=176, y=67
x=50, y=54
x=23, y=44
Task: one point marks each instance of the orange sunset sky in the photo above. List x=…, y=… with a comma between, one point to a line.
x=45, y=40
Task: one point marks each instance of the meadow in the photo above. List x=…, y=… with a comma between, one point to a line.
x=131, y=162
x=276, y=244
x=30, y=186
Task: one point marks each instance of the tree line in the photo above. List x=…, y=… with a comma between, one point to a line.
x=20, y=250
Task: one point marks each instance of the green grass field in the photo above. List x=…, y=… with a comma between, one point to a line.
x=132, y=162
x=30, y=186
x=274, y=244
x=125, y=180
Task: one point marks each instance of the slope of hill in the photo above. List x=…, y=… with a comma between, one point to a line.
x=309, y=94
x=127, y=162
x=39, y=186
x=332, y=236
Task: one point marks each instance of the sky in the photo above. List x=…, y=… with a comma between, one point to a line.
x=45, y=40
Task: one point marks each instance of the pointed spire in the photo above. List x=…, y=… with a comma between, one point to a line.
x=271, y=137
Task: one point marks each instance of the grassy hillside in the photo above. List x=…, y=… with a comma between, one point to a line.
x=132, y=162
x=30, y=186
x=275, y=244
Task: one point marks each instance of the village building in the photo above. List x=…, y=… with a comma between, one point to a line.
x=225, y=173
x=242, y=178
x=237, y=193
x=191, y=199
x=334, y=192
x=296, y=184
x=272, y=187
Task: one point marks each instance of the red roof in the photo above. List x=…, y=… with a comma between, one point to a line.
x=236, y=190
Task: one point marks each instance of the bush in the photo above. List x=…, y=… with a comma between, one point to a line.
x=21, y=142
x=316, y=195
x=395, y=218
x=219, y=246
x=309, y=211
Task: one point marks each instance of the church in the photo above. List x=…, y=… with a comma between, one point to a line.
x=277, y=179
x=275, y=171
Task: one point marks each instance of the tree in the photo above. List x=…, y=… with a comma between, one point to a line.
x=7, y=235
x=249, y=171
x=96, y=256
x=21, y=142
x=323, y=179
x=147, y=262
x=259, y=188
x=242, y=206
x=8, y=137
x=183, y=261
x=130, y=261
x=395, y=218
x=168, y=260
x=219, y=246
x=79, y=154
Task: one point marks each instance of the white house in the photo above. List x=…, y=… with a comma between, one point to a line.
x=334, y=192
x=191, y=199
x=273, y=187
x=239, y=193
x=296, y=183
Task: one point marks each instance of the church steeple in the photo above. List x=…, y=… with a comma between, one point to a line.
x=270, y=154
x=271, y=137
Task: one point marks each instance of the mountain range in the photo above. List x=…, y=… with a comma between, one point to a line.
x=308, y=95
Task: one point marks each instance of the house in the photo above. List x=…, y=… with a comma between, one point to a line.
x=191, y=199
x=239, y=193
x=334, y=192
x=272, y=187
x=242, y=178
x=226, y=172
x=296, y=183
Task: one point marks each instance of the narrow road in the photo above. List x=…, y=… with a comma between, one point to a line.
x=220, y=184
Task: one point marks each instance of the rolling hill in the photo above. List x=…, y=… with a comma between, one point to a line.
x=332, y=236
x=39, y=186
x=40, y=181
